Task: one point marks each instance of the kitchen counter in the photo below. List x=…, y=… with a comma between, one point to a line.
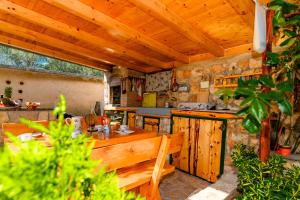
x=166, y=112
x=120, y=108
x=13, y=114
x=219, y=114
x=25, y=109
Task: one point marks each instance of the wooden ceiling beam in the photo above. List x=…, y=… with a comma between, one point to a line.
x=66, y=46
x=158, y=10
x=49, y=52
x=245, y=48
x=47, y=22
x=245, y=9
x=119, y=30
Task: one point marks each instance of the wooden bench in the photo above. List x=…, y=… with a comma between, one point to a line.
x=140, y=164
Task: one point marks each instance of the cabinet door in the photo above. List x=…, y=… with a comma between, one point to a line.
x=131, y=120
x=181, y=159
x=151, y=124
x=201, y=151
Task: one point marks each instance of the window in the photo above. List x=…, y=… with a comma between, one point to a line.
x=26, y=60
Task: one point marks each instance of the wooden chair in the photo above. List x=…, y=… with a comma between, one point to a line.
x=18, y=128
x=140, y=164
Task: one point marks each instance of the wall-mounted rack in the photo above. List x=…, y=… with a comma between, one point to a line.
x=231, y=81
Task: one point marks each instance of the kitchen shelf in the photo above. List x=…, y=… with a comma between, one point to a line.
x=231, y=81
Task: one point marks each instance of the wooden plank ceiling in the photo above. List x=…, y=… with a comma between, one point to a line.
x=144, y=35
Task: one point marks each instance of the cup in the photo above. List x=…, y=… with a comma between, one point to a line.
x=123, y=128
x=76, y=120
x=25, y=137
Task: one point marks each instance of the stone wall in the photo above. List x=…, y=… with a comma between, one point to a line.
x=196, y=73
x=236, y=134
x=81, y=93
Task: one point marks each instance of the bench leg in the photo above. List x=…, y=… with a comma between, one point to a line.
x=145, y=191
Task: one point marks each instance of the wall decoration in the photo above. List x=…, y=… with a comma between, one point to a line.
x=158, y=82
x=183, y=87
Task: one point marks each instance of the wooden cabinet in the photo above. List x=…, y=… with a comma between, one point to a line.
x=131, y=120
x=202, y=153
x=151, y=124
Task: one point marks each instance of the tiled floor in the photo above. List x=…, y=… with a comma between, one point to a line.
x=179, y=185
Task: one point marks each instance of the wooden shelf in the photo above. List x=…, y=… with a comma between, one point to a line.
x=231, y=81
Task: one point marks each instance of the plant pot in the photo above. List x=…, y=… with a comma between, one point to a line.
x=284, y=150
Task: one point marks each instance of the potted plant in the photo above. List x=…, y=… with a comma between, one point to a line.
x=7, y=97
x=266, y=177
x=225, y=94
x=8, y=92
x=291, y=140
x=279, y=84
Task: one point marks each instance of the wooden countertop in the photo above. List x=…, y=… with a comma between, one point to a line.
x=121, y=108
x=220, y=114
x=206, y=113
x=102, y=139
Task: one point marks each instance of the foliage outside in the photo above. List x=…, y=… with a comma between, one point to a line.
x=27, y=60
x=33, y=171
x=270, y=180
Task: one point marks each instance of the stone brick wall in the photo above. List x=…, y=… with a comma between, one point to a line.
x=236, y=134
x=194, y=73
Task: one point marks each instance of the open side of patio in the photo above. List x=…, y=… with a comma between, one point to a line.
x=164, y=90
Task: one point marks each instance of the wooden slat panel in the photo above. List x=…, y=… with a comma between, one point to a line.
x=201, y=150
x=209, y=114
x=181, y=160
x=215, y=150
x=158, y=168
x=48, y=22
x=131, y=120
x=47, y=40
x=132, y=177
x=245, y=8
x=194, y=140
x=127, y=154
x=33, y=47
x=203, y=160
x=158, y=10
x=126, y=33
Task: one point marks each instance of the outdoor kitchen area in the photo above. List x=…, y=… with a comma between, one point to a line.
x=149, y=99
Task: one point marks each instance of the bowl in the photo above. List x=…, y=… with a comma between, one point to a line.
x=32, y=105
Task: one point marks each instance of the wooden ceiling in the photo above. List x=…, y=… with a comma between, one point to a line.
x=144, y=35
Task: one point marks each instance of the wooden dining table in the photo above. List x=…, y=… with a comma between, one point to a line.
x=102, y=139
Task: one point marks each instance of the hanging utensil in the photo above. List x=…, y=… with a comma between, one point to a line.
x=174, y=85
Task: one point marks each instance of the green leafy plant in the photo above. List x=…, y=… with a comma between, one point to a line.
x=8, y=92
x=259, y=180
x=31, y=170
x=225, y=94
x=278, y=86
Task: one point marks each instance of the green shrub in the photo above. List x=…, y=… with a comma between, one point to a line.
x=259, y=180
x=65, y=171
x=8, y=92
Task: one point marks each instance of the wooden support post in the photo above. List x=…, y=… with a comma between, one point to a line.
x=265, y=133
